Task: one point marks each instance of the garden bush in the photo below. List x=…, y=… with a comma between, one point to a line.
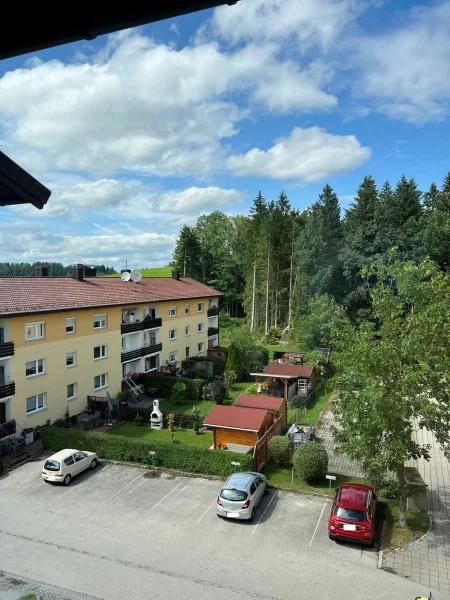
x=191, y=459
x=311, y=461
x=178, y=395
x=234, y=362
x=280, y=449
x=164, y=385
x=218, y=363
x=219, y=392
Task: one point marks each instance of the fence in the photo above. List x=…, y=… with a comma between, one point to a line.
x=261, y=455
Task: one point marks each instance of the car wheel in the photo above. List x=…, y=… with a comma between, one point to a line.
x=67, y=479
x=252, y=516
x=94, y=463
x=331, y=537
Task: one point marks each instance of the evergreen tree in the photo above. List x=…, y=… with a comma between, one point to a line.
x=186, y=256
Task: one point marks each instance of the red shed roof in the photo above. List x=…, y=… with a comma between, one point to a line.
x=33, y=295
x=235, y=417
x=280, y=370
x=264, y=402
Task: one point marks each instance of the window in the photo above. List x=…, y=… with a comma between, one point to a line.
x=152, y=363
x=100, y=381
x=68, y=461
x=34, y=367
x=200, y=328
x=99, y=321
x=172, y=357
x=187, y=309
x=151, y=339
x=35, y=403
x=80, y=456
x=172, y=311
x=150, y=313
x=350, y=514
x=71, y=391
x=172, y=334
x=188, y=351
x=200, y=307
x=70, y=325
x=188, y=330
x=71, y=359
x=34, y=331
x=99, y=352
x=200, y=347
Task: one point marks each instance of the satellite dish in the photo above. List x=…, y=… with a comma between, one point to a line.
x=136, y=276
x=125, y=276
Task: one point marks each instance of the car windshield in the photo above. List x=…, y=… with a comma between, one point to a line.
x=52, y=465
x=233, y=495
x=350, y=514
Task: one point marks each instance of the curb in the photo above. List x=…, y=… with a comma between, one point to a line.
x=381, y=552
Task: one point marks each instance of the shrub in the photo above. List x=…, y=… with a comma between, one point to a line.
x=234, y=362
x=273, y=337
x=280, y=449
x=251, y=389
x=195, y=426
x=171, y=420
x=202, y=373
x=59, y=423
x=171, y=456
x=164, y=384
x=139, y=420
x=178, y=395
x=219, y=392
x=218, y=363
x=311, y=461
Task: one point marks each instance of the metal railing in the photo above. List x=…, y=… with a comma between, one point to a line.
x=213, y=311
x=6, y=349
x=146, y=323
x=150, y=349
x=7, y=389
x=212, y=331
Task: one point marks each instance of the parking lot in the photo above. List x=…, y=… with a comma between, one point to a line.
x=129, y=532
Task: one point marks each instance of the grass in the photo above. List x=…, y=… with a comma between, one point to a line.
x=312, y=415
x=203, y=440
x=237, y=389
x=157, y=272
x=418, y=523
x=204, y=406
x=276, y=348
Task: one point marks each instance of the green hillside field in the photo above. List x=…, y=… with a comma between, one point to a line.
x=158, y=272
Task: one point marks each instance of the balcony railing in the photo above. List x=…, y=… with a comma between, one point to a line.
x=131, y=354
x=213, y=311
x=7, y=429
x=151, y=349
x=7, y=389
x=140, y=325
x=212, y=331
x=6, y=349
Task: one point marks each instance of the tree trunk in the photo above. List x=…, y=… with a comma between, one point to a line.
x=403, y=497
x=267, y=290
x=252, y=323
x=290, y=282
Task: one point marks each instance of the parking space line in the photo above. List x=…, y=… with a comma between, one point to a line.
x=317, y=524
x=75, y=487
x=265, y=510
x=32, y=483
x=139, y=485
x=125, y=487
x=209, y=508
x=171, y=491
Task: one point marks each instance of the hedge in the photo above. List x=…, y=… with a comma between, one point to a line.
x=183, y=420
x=171, y=456
x=164, y=385
x=218, y=363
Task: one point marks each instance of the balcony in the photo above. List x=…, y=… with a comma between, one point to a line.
x=131, y=354
x=140, y=325
x=213, y=311
x=6, y=349
x=151, y=349
x=7, y=389
x=213, y=331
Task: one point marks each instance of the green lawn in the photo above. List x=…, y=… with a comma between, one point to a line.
x=418, y=523
x=203, y=440
x=237, y=389
x=312, y=415
x=167, y=405
x=157, y=272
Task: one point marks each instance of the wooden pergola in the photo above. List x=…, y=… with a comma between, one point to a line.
x=269, y=378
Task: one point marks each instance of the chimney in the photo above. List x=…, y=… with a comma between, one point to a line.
x=78, y=272
x=176, y=275
x=40, y=271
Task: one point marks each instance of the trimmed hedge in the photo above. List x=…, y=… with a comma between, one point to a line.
x=280, y=449
x=310, y=461
x=218, y=363
x=164, y=385
x=182, y=420
x=171, y=456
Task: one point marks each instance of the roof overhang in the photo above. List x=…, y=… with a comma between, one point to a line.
x=19, y=187
x=278, y=376
x=38, y=25
x=229, y=427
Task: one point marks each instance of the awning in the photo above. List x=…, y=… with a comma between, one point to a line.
x=19, y=187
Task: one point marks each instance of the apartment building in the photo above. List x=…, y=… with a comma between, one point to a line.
x=65, y=338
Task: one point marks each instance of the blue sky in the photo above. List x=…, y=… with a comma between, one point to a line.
x=142, y=131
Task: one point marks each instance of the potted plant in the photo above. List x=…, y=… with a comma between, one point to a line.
x=195, y=428
x=170, y=421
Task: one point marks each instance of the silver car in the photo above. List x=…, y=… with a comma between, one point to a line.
x=240, y=496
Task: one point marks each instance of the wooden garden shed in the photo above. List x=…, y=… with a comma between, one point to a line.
x=275, y=406
x=237, y=425
x=280, y=379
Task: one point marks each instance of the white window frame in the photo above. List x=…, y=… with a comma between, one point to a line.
x=37, y=398
x=74, y=354
x=200, y=304
x=105, y=381
x=174, y=355
x=187, y=309
x=172, y=311
x=200, y=327
x=36, y=362
x=175, y=335
x=187, y=330
x=37, y=325
x=73, y=325
x=69, y=398
x=147, y=358
x=102, y=356
x=100, y=320
x=201, y=347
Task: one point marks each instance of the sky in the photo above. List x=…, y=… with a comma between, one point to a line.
x=140, y=132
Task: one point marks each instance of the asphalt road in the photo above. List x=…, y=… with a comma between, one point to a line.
x=121, y=532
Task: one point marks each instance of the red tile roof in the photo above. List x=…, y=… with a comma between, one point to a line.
x=33, y=295
x=235, y=417
x=278, y=370
x=253, y=401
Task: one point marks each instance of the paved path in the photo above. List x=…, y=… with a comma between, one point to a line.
x=428, y=561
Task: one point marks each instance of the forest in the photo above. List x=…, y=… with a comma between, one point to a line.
x=55, y=269
x=291, y=270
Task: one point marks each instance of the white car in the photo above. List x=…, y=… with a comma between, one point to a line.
x=63, y=466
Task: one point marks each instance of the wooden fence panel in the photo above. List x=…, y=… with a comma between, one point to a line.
x=261, y=455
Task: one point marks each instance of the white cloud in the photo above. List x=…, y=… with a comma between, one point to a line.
x=147, y=107
x=173, y=27
x=405, y=72
x=306, y=155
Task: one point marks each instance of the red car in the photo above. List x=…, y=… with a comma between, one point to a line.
x=352, y=516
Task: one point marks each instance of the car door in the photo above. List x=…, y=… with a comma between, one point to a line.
x=260, y=488
x=80, y=461
x=69, y=466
